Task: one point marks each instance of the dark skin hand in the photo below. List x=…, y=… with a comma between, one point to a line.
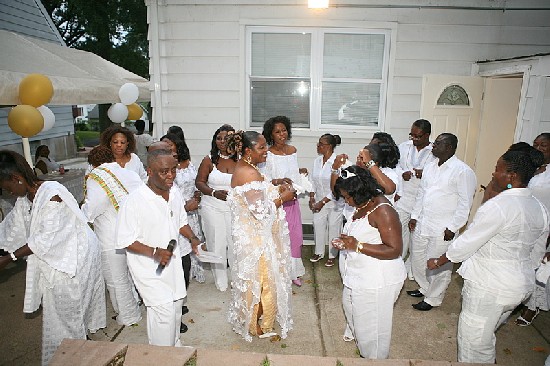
x=19, y=253
x=447, y=235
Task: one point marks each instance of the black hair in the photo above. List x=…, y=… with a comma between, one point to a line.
x=544, y=135
x=13, y=163
x=270, y=124
x=107, y=135
x=333, y=140
x=178, y=131
x=181, y=148
x=214, y=151
x=450, y=140
x=520, y=146
x=424, y=125
x=139, y=124
x=384, y=155
x=240, y=140
x=523, y=162
x=38, y=151
x=361, y=187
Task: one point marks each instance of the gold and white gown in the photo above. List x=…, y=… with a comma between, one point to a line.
x=261, y=273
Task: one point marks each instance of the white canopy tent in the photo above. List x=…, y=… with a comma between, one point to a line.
x=78, y=77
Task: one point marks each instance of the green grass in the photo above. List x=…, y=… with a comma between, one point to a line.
x=88, y=138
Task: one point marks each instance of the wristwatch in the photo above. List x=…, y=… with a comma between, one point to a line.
x=359, y=247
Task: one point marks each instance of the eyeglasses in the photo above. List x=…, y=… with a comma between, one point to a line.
x=412, y=136
x=345, y=174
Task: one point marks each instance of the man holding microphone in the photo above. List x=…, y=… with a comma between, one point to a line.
x=149, y=219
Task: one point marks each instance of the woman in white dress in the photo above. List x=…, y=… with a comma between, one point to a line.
x=107, y=186
x=370, y=261
x=122, y=143
x=499, y=251
x=281, y=167
x=261, y=289
x=327, y=211
x=64, y=259
x=214, y=181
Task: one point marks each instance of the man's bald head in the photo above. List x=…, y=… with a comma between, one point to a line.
x=159, y=145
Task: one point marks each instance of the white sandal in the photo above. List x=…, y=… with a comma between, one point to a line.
x=522, y=322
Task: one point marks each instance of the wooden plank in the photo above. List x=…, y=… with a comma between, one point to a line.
x=145, y=355
x=88, y=353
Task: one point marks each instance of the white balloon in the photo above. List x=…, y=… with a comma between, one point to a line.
x=128, y=93
x=49, y=117
x=117, y=113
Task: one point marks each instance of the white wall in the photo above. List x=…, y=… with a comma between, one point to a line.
x=200, y=55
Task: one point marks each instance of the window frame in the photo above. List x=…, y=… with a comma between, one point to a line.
x=316, y=74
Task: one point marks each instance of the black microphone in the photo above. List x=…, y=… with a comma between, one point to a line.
x=170, y=247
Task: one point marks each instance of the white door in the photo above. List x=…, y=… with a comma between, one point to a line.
x=453, y=104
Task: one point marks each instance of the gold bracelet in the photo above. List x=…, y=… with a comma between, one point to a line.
x=359, y=247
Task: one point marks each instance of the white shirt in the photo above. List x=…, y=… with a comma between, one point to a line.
x=281, y=166
x=148, y=218
x=98, y=207
x=143, y=141
x=320, y=178
x=504, y=243
x=391, y=173
x=540, y=186
x=445, y=197
x=410, y=159
x=137, y=166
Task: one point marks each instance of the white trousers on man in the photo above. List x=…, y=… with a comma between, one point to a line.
x=433, y=283
x=163, y=323
x=327, y=225
x=369, y=315
x=120, y=285
x=484, y=309
x=405, y=217
x=216, y=226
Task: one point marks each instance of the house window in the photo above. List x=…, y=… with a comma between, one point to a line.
x=320, y=78
x=454, y=95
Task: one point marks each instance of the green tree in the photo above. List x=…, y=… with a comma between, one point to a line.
x=113, y=29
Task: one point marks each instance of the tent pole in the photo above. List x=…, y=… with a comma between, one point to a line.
x=27, y=151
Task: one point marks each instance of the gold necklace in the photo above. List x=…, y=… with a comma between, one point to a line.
x=361, y=207
x=249, y=163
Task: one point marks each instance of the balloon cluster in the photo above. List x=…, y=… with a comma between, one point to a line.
x=32, y=116
x=127, y=108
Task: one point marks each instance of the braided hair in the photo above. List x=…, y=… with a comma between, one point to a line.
x=359, y=183
x=240, y=140
x=523, y=162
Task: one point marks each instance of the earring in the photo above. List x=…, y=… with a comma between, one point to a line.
x=19, y=182
x=508, y=186
x=248, y=159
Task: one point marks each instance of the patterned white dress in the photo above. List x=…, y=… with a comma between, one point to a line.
x=185, y=181
x=64, y=273
x=259, y=231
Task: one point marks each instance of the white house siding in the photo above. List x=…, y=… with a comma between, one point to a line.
x=201, y=54
x=26, y=17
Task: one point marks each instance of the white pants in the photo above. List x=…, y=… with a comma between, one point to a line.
x=121, y=287
x=369, y=314
x=327, y=225
x=216, y=226
x=483, y=311
x=163, y=324
x=405, y=217
x=433, y=283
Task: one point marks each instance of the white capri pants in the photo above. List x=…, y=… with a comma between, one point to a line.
x=433, y=283
x=216, y=226
x=163, y=324
x=369, y=314
x=327, y=225
x=483, y=311
x=120, y=285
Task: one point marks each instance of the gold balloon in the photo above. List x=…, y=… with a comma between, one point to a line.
x=134, y=111
x=25, y=120
x=35, y=90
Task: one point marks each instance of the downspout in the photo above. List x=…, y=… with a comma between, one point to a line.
x=156, y=79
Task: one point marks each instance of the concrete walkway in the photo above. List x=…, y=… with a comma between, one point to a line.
x=318, y=324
